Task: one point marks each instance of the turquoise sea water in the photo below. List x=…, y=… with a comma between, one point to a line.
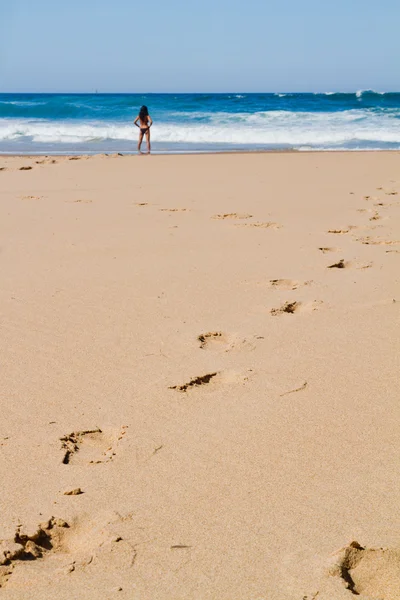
x=91, y=123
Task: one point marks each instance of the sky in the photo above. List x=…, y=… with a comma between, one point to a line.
x=199, y=45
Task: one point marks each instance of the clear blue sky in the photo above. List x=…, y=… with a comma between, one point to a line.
x=199, y=45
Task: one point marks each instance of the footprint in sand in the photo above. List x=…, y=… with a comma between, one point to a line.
x=216, y=377
x=287, y=284
x=377, y=241
x=375, y=217
x=31, y=197
x=327, y=249
x=47, y=161
x=387, y=204
x=291, y=308
x=265, y=225
x=80, y=201
x=219, y=341
x=342, y=264
x=25, y=546
x=232, y=216
x=367, y=572
x=25, y=168
x=173, y=209
x=343, y=231
x=56, y=547
x=91, y=446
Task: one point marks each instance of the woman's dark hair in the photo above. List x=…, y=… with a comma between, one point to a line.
x=143, y=113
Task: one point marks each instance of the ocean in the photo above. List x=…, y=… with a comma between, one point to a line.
x=102, y=123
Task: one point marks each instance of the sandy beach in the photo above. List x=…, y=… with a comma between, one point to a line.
x=200, y=377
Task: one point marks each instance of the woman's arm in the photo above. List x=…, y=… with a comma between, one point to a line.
x=136, y=121
x=150, y=121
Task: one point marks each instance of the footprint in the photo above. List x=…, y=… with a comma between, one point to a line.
x=377, y=241
x=375, y=217
x=367, y=572
x=211, y=339
x=232, y=216
x=47, y=538
x=289, y=308
x=293, y=307
x=288, y=284
x=80, y=201
x=91, y=446
x=195, y=382
x=25, y=168
x=339, y=265
x=342, y=231
x=3, y=168
x=328, y=249
x=386, y=204
x=31, y=197
x=141, y=204
x=217, y=340
x=47, y=161
x=72, y=546
x=225, y=377
x=173, y=209
x=266, y=225
x=342, y=264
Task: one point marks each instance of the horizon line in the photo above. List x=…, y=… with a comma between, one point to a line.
x=97, y=92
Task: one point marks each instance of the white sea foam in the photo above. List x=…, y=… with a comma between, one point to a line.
x=22, y=103
x=269, y=128
x=360, y=93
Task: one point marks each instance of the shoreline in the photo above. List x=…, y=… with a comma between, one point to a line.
x=199, y=153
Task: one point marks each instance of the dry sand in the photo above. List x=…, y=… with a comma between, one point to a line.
x=199, y=377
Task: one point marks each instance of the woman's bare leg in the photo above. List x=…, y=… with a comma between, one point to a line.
x=140, y=141
x=148, y=141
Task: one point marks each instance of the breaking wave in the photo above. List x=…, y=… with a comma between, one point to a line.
x=265, y=128
x=330, y=120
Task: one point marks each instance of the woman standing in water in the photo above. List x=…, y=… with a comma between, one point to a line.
x=144, y=122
